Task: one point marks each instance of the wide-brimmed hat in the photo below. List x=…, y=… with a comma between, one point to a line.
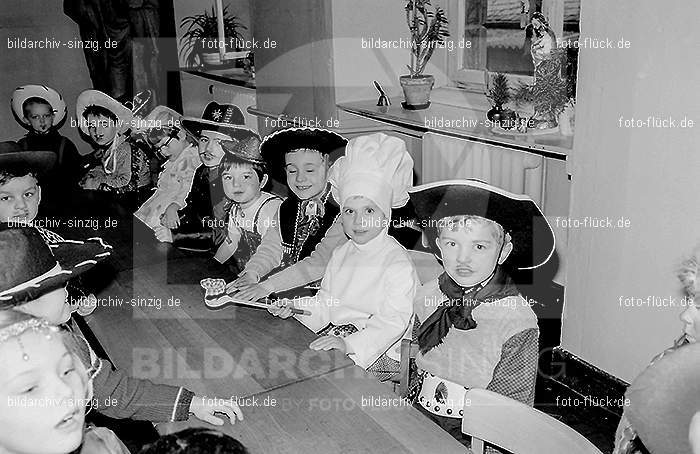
x=224, y=118
x=277, y=144
x=531, y=234
x=30, y=268
x=247, y=150
x=54, y=98
x=97, y=98
x=663, y=400
x=41, y=162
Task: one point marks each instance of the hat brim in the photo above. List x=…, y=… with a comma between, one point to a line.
x=21, y=94
x=97, y=98
x=195, y=126
x=664, y=398
x=274, y=147
x=42, y=162
x=531, y=235
x=74, y=258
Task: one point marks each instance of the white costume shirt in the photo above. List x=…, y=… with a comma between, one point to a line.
x=372, y=287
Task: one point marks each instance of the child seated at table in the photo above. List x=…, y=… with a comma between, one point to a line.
x=252, y=211
x=195, y=441
x=32, y=280
x=122, y=169
x=199, y=225
x=366, y=297
x=45, y=389
x=475, y=329
x=167, y=137
x=301, y=157
x=42, y=110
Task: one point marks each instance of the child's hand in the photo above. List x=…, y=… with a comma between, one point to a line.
x=281, y=308
x=254, y=292
x=163, y=234
x=244, y=279
x=329, y=343
x=204, y=409
x=170, y=218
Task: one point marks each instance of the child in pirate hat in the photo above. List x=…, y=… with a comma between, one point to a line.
x=365, y=302
x=475, y=330
x=33, y=277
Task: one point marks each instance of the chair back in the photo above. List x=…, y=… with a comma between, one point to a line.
x=506, y=423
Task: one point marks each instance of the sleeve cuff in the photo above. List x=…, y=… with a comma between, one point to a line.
x=181, y=411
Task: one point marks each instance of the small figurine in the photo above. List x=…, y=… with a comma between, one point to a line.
x=383, y=98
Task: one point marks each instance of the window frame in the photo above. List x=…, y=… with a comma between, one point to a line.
x=474, y=80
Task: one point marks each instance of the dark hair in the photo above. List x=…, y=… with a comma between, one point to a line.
x=15, y=171
x=229, y=160
x=99, y=111
x=195, y=441
x=34, y=100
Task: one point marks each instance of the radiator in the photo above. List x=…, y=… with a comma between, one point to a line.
x=446, y=158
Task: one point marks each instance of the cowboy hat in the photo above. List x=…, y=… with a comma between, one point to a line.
x=30, y=268
x=21, y=94
x=224, y=118
x=97, y=98
x=12, y=155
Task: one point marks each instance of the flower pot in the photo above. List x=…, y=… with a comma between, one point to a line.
x=416, y=90
x=209, y=55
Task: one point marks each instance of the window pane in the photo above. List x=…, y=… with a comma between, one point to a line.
x=500, y=35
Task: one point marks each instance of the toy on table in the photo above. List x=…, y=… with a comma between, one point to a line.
x=215, y=297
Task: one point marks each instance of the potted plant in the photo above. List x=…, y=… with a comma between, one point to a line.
x=428, y=30
x=498, y=91
x=200, y=42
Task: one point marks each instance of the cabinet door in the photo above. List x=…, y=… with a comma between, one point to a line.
x=295, y=76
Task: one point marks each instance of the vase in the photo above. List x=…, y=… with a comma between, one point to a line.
x=494, y=114
x=416, y=90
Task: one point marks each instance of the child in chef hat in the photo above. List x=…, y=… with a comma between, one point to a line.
x=365, y=302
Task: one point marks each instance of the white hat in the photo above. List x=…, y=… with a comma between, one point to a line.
x=375, y=166
x=21, y=94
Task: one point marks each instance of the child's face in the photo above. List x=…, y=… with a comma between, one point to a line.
x=691, y=318
x=170, y=147
x=210, y=151
x=19, y=199
x=40, y=117
x=362, y=219
x=42, y=399
x=241, y=184
x=470, y=252
x=102, y=129
x=52, y=307
x=307, y=173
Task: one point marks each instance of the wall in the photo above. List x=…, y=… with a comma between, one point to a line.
x=63, y=69
x=647, y=175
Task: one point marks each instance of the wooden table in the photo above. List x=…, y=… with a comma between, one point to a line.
x=293, y=399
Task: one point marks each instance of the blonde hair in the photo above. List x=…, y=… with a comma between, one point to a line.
x=454, y=223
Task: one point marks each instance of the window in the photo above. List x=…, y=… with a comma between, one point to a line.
x=497, y=37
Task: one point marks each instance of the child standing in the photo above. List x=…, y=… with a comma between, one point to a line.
x=476, y=330
x=165, y=134
x=366, y=297
x=299, y=156
x=252, y=211
x=42, y=110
